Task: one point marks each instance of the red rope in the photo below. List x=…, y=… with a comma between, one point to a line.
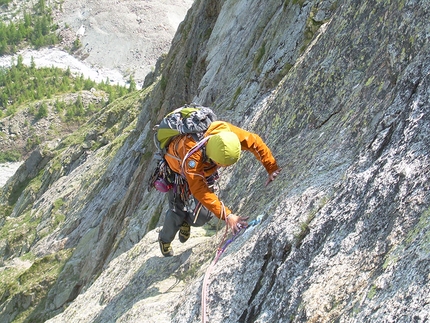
x=221, y=248
x=218, y=254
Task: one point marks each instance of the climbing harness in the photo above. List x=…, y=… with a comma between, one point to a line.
x=220, y=250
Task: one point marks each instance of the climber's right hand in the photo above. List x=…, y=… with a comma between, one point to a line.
x=236, y=223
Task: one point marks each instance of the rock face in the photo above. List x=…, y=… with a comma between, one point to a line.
x=340, y=91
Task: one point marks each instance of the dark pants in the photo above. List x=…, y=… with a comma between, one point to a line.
x=177, y=214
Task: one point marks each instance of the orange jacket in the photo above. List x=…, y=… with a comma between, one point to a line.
x=196, y=170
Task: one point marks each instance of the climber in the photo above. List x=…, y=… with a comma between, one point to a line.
x=223, y=145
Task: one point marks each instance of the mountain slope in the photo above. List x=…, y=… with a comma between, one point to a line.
x=123, y=35
x=339, y=91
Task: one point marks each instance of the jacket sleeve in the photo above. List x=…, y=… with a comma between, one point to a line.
x=253, y=143
x=193, y=171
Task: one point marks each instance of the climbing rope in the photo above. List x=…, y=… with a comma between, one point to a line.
x=220, y=250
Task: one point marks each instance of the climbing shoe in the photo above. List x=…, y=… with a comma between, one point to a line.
x=165, y=248
x=184, y=232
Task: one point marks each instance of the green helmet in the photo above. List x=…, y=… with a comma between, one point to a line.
x=224, y=148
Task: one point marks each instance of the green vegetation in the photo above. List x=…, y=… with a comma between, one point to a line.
x=19, y=231
x=372, y=292
x=272, y=80
x=299, y=2
x=311, y=28
x=163, y=83
x=370, y=81
x=9, y=156
x=42, y=112
x=304, y=231
x=41, y=92
x=237, y=93
x=235, y=96
x=259, y=55
x=33, y=140
x=57, y=205
x=155, y=218
x=419, y=231
x=132, y=84
x=76, y=44
x=20, y=84
x=27, y=287
x=207, y=33
x=304, y=226
x=5, y=211
x=16, y=191
x=36, y=29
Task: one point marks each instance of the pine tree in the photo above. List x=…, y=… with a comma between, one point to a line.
x=42, y=111
x=3, y=46
x=132, y=86
x=32, y=64
x=19, y=63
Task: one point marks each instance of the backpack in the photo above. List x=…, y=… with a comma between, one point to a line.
x=189, y=119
